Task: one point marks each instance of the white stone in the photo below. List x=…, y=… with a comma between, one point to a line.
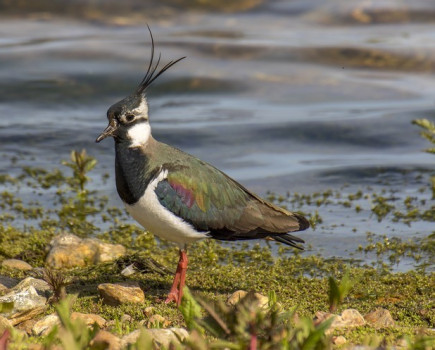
x=162, y=337
x=39, y=284
x=23, y=300
x=45, y=325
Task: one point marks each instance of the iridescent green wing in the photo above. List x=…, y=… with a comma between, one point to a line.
x=211, y=201
x=202, y=196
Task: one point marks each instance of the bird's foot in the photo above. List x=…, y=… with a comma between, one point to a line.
x=173, y=296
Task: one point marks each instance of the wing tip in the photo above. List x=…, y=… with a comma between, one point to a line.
x=289, y=240
x=302, y=221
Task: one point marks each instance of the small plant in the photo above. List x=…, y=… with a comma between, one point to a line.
x=339, y=290
x=248, y=325
x=81, y=164
x=429, y=134
x=73, y=334
x=57, y=282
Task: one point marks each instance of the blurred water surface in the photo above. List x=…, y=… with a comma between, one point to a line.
x=296, y=96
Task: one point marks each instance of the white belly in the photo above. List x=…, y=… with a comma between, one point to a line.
x=160, y=221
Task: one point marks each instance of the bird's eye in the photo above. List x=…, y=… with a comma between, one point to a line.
x=129, y=117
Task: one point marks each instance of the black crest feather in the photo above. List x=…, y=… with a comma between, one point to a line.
x=152, y=73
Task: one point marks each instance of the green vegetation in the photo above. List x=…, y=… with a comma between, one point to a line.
x=429, y=134
x=301, y=283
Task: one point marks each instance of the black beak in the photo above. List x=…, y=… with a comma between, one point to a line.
x=109, y=131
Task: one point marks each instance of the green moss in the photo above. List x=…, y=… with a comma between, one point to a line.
x=215, y=270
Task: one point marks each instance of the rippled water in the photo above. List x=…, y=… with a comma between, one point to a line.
x=295, y=96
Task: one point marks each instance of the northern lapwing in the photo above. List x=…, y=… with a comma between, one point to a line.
x=179, y=197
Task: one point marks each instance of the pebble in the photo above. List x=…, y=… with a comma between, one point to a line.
x=105, y=340
x=27, y=326
x=380, y=318
x=157, y=321
x=121, y=293
x=149, y=310
x=348, y=318
x=339, y=340
x=262, y=301
x=3, y=289
x=89, y=319
x=126, y=318
x=27, y=315
x=24, y=300
x=162, y=337
x=45, y=325
x=69, y=251
x=40, y=285
x=16, y=265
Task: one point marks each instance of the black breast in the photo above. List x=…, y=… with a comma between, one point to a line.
x=132, y=173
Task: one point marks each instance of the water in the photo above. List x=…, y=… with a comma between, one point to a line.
x=298, y=96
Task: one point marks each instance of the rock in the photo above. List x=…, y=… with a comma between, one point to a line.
x=68, y=251
x=27, y=326
x=348, y=318
x=339, y=340
x=120, y=293
x=109, y=252
x=126, y=318
x=8, y=282
x=161, y=337
x=24, y=301
x=4, y=324
x=65, y=239
x=236, y=297
x=262, y=301
x=45, y=325
x=17, y=265
x=321, y=316
x=23, y=316
x=41, y=286
x=131, y=338
x=3, y=289
x=105, y=340
x=351, y=317
x=110, y=325
x=149, y=310
x=89, y=319
x=157, y=321
x=380, y=318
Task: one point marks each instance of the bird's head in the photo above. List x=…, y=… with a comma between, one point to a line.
x=128, y=118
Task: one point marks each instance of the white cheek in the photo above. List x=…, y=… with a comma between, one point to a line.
x=139, y=134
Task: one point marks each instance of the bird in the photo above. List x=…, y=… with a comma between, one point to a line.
x=179, y=197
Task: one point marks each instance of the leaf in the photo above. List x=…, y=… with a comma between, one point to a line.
x=334, y=294
x=425, y=124
x=6, y=307
x=316, y=336
x=339, y=291
x=144, y=341
x=190, y=310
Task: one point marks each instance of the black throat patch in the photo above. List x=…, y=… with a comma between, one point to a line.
x=133, y=173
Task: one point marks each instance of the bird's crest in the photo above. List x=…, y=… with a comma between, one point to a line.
x=152, y=72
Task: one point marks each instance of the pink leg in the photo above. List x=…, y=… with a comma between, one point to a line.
x=176, y=292
x=4, y=340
